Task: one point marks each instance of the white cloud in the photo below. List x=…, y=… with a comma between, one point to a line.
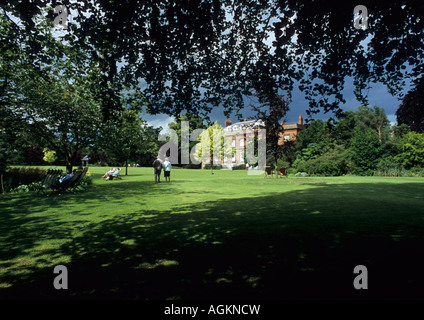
x=392, y=119
x=160, y=120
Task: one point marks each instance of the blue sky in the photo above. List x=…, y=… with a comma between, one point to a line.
x=377, y=96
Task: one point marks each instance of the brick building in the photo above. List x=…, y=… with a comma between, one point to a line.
x=239, y=139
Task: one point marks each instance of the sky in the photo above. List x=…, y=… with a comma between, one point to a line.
x=377, y=96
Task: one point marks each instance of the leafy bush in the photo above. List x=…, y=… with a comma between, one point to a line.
x=332, y=163
x=215, y=166
x=192, y=166
x=413, y=150
x=301, y=174
x=387, y=166
x=49, y=155
x=239, y=167
x=365, y=151
x=87, y=180
x=26, y=188
x=291, y=170
x=15, y=177
x=282, y=164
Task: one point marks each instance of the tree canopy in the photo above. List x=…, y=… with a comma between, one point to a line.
x=195, y=55
x=411, y=110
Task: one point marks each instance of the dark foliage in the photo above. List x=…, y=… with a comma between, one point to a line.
x=15, y=177
x=411, y=111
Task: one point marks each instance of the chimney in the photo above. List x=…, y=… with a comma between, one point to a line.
x=300, y=120
x=227, y=123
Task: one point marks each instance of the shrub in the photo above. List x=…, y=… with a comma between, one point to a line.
x=25, y=188
x=87, y=180
x=215, y=166
x=365, y=151
x=281, y=163
x=239, y=167
x=332, y=163
x=387, y=166
x=49, y=155
x=291, y=170
x=15, y=177
x=192, y=166
x=301, y=174
x=413, y=150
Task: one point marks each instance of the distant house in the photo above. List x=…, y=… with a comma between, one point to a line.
x=238, y=136
x=291, y=131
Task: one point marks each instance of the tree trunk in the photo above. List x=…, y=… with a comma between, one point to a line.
x=211, y=165
x=276, y=170
x=126, y=167
x=68, y=168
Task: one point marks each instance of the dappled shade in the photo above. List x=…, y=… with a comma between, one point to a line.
x=303, y=243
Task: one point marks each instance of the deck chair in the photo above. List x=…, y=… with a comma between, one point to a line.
x=116, y=175
x=268, y=171
x=69, y=184
x=78, y=181
x=52, y=175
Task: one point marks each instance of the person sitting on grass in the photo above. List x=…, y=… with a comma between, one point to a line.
x=107, y=175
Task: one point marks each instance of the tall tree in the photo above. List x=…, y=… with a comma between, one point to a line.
x=365, y=150
x=271, y=110
x=211, y=147
x=374, y=118
x=194, y=122
x=121, y=138
x=195, y=55
x=411, y=110
x=317, y=132
x=47, y=100
x=58, y=115
x=345, y=128
x=412, y=150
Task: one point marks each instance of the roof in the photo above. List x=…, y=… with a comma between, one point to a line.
x=251, y=124
x=293, y=126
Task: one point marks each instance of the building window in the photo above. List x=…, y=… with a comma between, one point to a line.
x=286, y=137
x=234, y=143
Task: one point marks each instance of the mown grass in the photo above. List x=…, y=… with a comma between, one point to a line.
x=227, y=235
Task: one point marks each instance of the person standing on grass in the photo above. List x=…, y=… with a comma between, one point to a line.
x=157, y=165
x=167, y=169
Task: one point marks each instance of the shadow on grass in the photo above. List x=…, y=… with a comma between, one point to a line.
x=22, y=222
x=295, y=245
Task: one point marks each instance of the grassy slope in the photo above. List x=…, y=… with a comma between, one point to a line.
x=229, y=235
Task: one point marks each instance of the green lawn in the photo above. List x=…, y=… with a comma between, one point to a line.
x=227, y=235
